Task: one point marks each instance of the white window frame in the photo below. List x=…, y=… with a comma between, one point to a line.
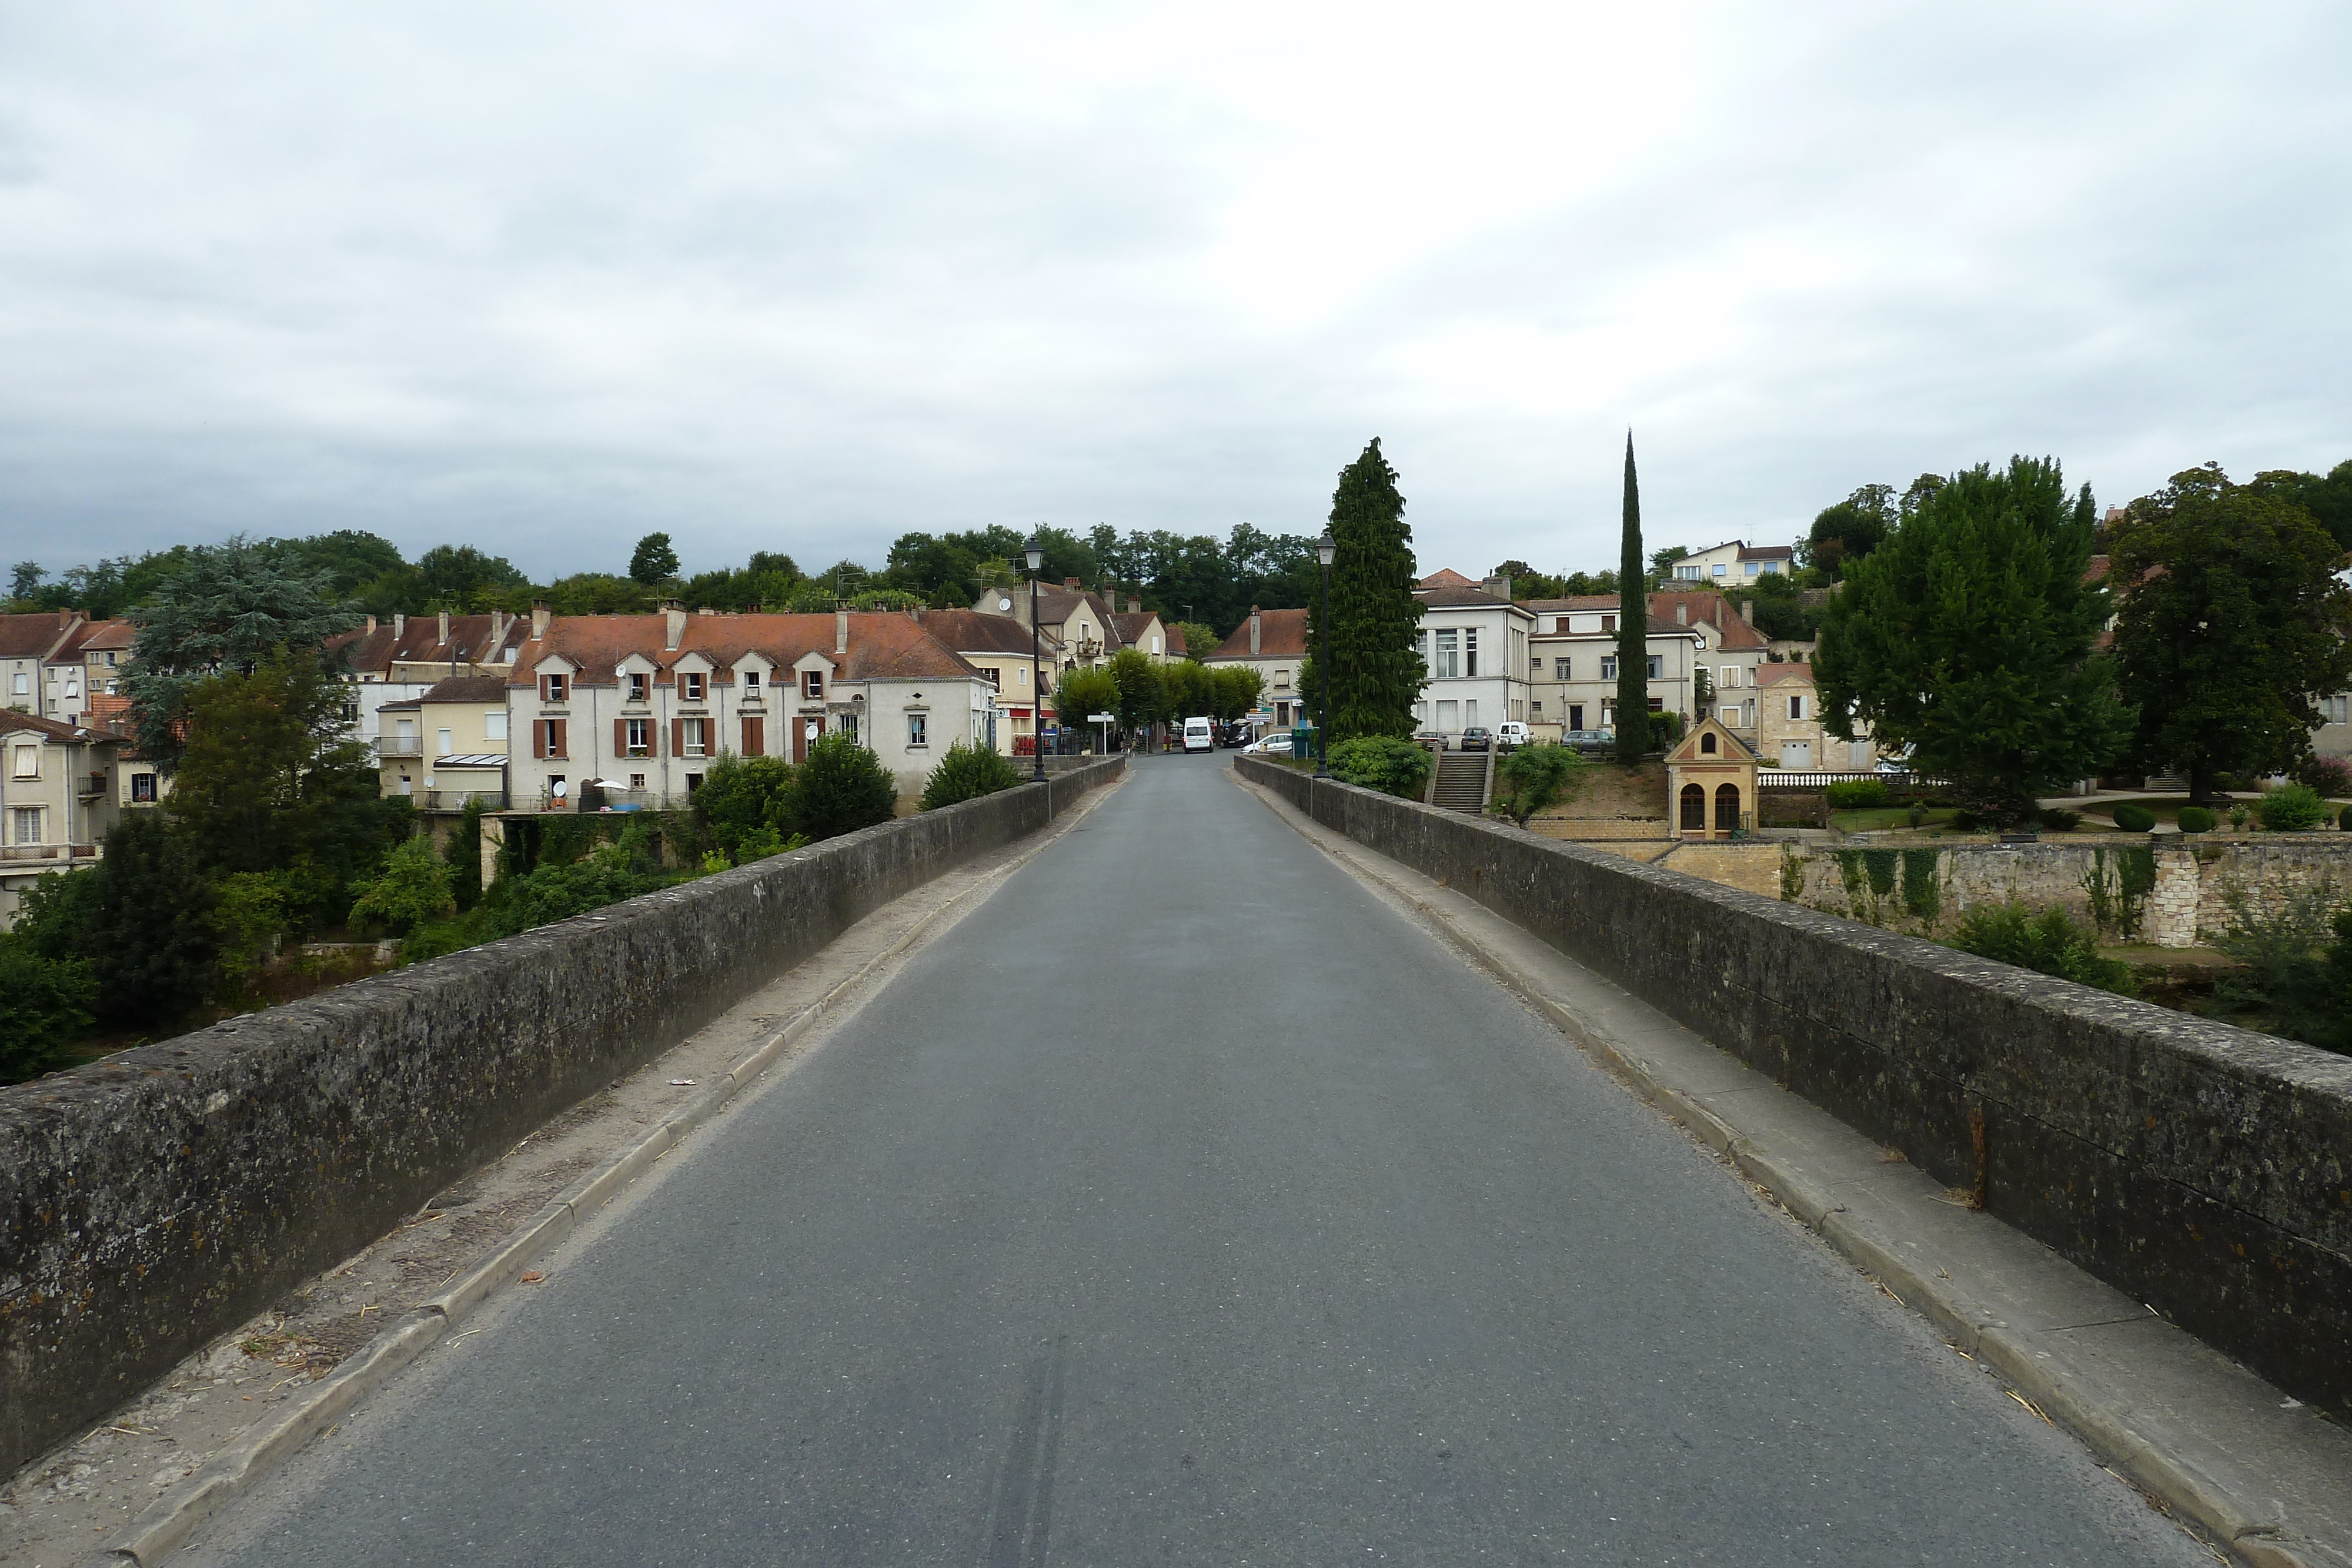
x=494, y=724
x=697, y=736
x=1608, y=666
x=695, y=685
x=26, y=763
x=637, y=737
x=918, y=731
x=20, y=817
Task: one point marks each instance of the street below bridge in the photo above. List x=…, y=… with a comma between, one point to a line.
x=1187, y=1203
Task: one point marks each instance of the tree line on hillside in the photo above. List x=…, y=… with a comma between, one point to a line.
x=1191, y=578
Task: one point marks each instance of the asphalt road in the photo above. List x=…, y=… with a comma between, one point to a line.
x=1186, y=1205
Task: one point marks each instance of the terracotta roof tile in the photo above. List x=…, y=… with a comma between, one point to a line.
x=978, y=631
x=14, y=723
x=32, y=636
x=1282, y=634
x=1446, y=576
x=883, y=644
x=468, y=689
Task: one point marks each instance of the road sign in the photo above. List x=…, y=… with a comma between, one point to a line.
x=1102, y=718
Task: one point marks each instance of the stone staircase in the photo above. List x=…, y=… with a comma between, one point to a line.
x=1461, y=781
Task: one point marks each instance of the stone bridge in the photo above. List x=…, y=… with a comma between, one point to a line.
x=1249, y=1175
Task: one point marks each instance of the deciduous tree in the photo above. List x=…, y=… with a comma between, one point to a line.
x=2233, y=622
x=654, y=560
x=1968, y=636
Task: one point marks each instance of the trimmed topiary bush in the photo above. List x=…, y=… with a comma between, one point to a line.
x=2198, y=820
x=2133, y=818
x=966, y=773
x=2291, y=808
x=1857, y=794
x=2059, y=820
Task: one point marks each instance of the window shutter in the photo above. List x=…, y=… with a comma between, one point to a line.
x=620, y=737
x=678, y=737
x=555, y=747
x=755, y=740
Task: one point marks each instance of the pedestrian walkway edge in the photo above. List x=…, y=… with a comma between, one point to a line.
x=2204, y=1438
x=167, y=1523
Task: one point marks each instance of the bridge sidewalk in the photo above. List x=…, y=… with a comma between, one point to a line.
x=2205, y=1438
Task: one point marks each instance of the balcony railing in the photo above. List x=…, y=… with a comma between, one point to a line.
x=399, y=745
x=54, y=854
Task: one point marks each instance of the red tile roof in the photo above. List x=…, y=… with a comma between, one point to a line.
x=1470, y=596
x=1446, y=576
x=13, y=723
x=979, y=631
x=1282, y=634
x=473, y=639
x=1774, y=674
x=32, y=636
x=883, y=644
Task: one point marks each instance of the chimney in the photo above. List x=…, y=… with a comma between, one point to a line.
x=674, y=624
x=841, y=631
x=707, y=610
x=499, y=621
x=540, y=614
x=1498, y=585
x=1747, y=611
x=399, y=627
x=371, y=623
x=1682, y=613
x=1071, y=584
x=1255, y=629
x=1134, y=607
x=445, y=626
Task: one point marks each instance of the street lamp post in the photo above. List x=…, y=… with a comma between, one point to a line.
x=1325, y=548
x=1034, y=553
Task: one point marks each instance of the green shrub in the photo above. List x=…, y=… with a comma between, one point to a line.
x=45, y=1005
x=2331, y=776
x=149, y=932
x=463, y=854
x=2047, y=942
x=966, y=772
x=745, y=806
x=412, y=888
x=1857, y=794
x=2133, y=819
x=1917, y=815
x=2238, y=814
x=2059, y=820
x=2344, y=820
x=248, y=917
x=1535, y=778
x=1388, y=763
x=2291, y=808
x=2198, y=820
x=840, y=789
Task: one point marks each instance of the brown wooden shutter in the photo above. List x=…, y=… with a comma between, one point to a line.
x=620, y=737
x=555, y=747
x=755, y=739
x=539, y=737
x=678, y=737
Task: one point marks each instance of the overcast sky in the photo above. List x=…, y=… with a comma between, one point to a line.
x=542, y=277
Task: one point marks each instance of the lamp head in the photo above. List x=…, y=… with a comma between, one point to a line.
x=1034, y=552
x=1325, y=548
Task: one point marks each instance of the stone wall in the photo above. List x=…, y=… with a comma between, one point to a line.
x=2203, y=1169
x=2172, y=892
x=153, y=1200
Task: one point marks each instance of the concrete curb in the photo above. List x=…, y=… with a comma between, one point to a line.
x=168, y=1522
x=2039, y=1366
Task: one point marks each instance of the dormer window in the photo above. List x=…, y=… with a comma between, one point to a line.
x=555, y=689
x=694, y=686
x=813, y=685
x=750, y=683
x=640, y=686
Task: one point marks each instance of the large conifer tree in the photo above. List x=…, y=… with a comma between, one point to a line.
x=1632, y=628
x=1374, y=669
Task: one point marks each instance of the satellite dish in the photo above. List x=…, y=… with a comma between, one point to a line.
x=560, y=789
x=1002, y=603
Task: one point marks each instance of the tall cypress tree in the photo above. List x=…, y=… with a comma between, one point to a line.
x=1375, y=669
x=1633, y=628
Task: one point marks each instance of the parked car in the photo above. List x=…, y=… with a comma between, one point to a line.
x=1476, y=738
x=1197, y=736
x=1277, y=745
x=1430, y=737
x=1510, y=734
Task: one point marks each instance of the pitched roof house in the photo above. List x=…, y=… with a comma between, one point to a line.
x=1274, y=643
x=640, y=704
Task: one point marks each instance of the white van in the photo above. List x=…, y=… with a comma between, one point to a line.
x=1198, y=737
x=1509, y=736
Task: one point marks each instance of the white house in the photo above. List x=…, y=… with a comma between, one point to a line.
x=1734, y=560
x=641, y=705
x=1476, y=646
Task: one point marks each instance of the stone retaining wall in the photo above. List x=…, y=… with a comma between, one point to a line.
x=2173, y=891
x=155, y=1199
x=2203, y=1169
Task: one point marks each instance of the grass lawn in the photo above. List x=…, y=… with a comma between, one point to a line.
x=1874, y=818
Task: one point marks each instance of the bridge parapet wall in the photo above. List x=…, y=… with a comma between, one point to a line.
x=2204, y=1169
x=153, y=1200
